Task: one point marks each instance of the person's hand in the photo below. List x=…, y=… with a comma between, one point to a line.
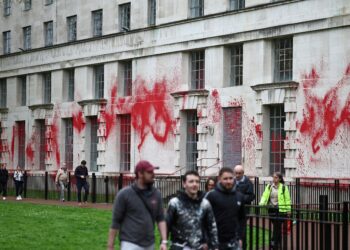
x=205, y=246
x=82, y=176
x=240, y=243
x=163, y=246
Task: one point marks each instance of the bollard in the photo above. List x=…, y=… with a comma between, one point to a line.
x=106, y=189
x=68, y=187
x=120, y=182
x=25, y=184
x=46, y=185
x=325, y=229
x=345, y=225
x=93, y=188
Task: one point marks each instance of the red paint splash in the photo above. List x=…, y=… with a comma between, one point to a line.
x=259, y=132
x=108, y=115
x=14, y=135
x=54, y=139
x=78, y=121
x=30, y=148
x=324, y=116
x=216, y=106
x=150, y=113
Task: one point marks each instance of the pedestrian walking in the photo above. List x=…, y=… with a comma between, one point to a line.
x=81, y=174
x=136, y=209
x=229, y=211
x=62, y=180
x=277, y=197
x=18, y=178
x=190, y=217
x=4, y=176
x=246, y=187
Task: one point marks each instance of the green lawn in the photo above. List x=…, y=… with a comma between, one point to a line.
x=28, y=226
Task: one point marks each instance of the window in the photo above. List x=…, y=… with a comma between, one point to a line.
x=23, y=91
x=236, y=76
x=191, y=140
x=70, y=85
x=27, y=31
x=93, y=144
x=71, y=28
x=127, y=78
x=48, y=2
x=7, y=7
x=277, y=137
x=99, y=81
x=196, y=8
x=3, y=93
x=284, y=59
x=97, y=23
x=27, y=4
x=42, y=143
x=197, y=70
x=47, y=87
x=125, y=142
x=237, y=4
x=68, y=143
x=21, y=143
x=124, y=13
x=7, y=42
x=48, y=33
x=152, y=12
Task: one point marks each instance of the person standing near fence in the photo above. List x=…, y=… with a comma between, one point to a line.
x=4, y=176
x=18, y=177
x=62, y=180
x=277, y=197
x=190, y=217
x=229, y=211
x=135, y=211
x=81, y=174
x=246, y=188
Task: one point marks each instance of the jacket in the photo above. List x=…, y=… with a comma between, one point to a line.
x=191, y=222
x=229, y=212
x=4, y=175
x=284, y=203
x=61, y=176
x=18, y=176
x=79, y=171
x=247, y=189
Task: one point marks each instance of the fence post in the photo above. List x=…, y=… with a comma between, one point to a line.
x=120, y=182
x=345, y=225
x=68, y=187
x=93, y=191
x=25, y=184
x=106, y=188
x=325, y=230
x=256, y=189
x=46, y=185
x=336, y=190
x=297, y=187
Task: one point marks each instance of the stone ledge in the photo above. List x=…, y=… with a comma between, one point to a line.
x=275, y=85
x=41, y=106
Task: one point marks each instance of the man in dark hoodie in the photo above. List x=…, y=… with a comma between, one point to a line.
x=229, y=211
x=190, y=218
x=81, y=174
x=4, y=176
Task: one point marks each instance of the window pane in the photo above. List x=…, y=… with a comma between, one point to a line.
x=68, y=143
x=3, y=93
x=283, y=59
x=47, y=87
x=48, y=29
x=72, y=28
x=191, y=140
x=93, y=144
x=99, y=81
x=152, y=8
x=97, y=23
x=7, y=42
x=197, y=70
x=27, y=37
x=124, y=12
x=125, y=142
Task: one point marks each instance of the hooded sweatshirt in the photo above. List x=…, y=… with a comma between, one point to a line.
x=229, y=212
x=191, y=221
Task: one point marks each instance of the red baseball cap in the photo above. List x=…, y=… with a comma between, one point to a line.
x=144, y=166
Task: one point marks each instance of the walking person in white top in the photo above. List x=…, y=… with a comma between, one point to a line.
x=62, y=180
x=18, y=177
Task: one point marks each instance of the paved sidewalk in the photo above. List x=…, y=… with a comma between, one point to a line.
x=60, y=203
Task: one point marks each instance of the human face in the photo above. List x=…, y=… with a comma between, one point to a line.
x=211, y=185
x=239, y=174
x=226, y=180
x=147, y=177
x=191, y=184
x=275, y=179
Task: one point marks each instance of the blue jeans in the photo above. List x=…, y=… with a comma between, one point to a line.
x=85, y=185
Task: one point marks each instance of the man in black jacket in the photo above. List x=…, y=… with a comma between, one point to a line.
x=4, y=176
x=81, y=174
x=245, y=186
x=229, y=211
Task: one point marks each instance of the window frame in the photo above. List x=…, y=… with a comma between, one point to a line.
x=27, y=37
x=152, y=12
x=99, y=81
x=283, y=71
x=236, y=65
x=6, y=38
x=125, y=16
x=48, y=33
x=47, y=87
x=3, y=93
x=127, y=78
x=237, y=4
x=23, y=90
x=196, y=8
x=191, y=140
x=97, y=23
x=27, y=5
x=125, y=142
x=72, y=28
x=197, y=58
x=7, y=7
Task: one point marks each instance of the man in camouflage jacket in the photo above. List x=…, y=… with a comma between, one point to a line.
x=190, y=218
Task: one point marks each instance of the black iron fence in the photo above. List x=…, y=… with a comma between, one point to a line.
x=104, y=188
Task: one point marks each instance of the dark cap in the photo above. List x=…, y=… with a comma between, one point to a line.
x=144, y=166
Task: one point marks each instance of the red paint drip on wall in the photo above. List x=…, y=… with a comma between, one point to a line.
x=55, y=135
x=30, y=148
x=259, y=132
x=150, y=113
x=14, y=135
x=216, y=106
x=78, y=121
x=108, y=115
x=324, y=116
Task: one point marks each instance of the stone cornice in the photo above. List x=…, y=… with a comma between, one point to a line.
x=275, y=85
